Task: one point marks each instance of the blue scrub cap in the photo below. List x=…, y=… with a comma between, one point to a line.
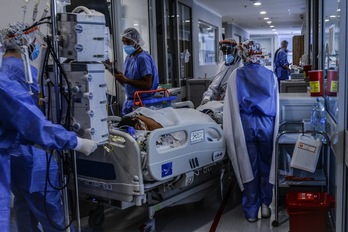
x=284, y=43
x=132, y=34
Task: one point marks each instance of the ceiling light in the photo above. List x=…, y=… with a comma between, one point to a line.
x=263, y=12
x=327, y=20
x=257, y=3
x=274, y=29
x=266, y=18
x=271, y=26
x=269, y=22
x=332, y=16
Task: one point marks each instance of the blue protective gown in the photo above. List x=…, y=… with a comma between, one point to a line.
x=28, y=184
x=281, y=60
x=20, y=116
x=258, y=107
x=134, y=68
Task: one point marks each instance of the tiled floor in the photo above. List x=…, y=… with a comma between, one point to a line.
x=191, y=217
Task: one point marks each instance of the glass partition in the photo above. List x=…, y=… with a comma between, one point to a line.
x=135, y=14
x=185, y=41
x=207, y=38
x=331, y=17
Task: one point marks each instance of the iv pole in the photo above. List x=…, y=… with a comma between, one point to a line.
x=56, y=74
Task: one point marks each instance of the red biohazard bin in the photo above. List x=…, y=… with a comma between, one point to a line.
x=331, y=83
x=308, y=211
x=316, y=82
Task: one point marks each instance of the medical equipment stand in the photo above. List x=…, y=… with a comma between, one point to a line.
x=276, y=222
x=56, y=84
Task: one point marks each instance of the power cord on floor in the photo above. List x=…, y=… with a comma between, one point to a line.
x=222, y=207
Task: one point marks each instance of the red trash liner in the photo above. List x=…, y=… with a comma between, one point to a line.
x=308, y=211
x=306, y=68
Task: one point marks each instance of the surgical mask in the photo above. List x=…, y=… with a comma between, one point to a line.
x=228, y=59
x=34, y=51
x=129, y=49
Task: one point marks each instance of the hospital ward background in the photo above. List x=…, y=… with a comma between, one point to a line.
x=189, y=115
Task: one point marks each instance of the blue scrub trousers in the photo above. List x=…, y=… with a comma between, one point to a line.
x=29, y=209
x=28, y=179
x=5, y=193
x=258, y=130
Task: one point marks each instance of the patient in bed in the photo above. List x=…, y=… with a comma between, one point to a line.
x=144, y=120
x=147, y=119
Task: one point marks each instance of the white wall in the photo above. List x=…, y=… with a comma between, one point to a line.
x=233, y=31
x=12, y=11
x=200, y=13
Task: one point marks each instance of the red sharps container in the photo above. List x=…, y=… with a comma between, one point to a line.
x=331, y=83
x=316, y=82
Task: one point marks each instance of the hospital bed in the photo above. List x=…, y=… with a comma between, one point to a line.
x=164, y=167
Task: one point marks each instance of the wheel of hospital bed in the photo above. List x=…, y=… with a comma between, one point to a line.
x=275, y=223
x=96, y=217
x=149, y=226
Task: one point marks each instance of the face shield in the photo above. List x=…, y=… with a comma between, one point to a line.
x=228, y=51
x=18, y=36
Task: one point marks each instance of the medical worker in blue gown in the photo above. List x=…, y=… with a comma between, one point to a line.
x=21, y=120
x=28, y=163
x=280, y=63
x=250, y=124
x=231, y=60
x=139, y=69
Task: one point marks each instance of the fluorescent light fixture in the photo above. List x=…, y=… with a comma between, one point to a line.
x=263, y=12
x=271, y=26
x=332, y=16
x=274, y=29
x=266, y=18
x=257, y=3
x=327, y=20
x=269, y=22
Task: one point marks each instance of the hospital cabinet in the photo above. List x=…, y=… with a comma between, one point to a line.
x=293, y=86
x=195, y=89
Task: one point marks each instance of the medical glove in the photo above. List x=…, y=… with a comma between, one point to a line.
x=85, y=146
x=205, y=100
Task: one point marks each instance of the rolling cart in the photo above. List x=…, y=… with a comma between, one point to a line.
x=296, y=178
